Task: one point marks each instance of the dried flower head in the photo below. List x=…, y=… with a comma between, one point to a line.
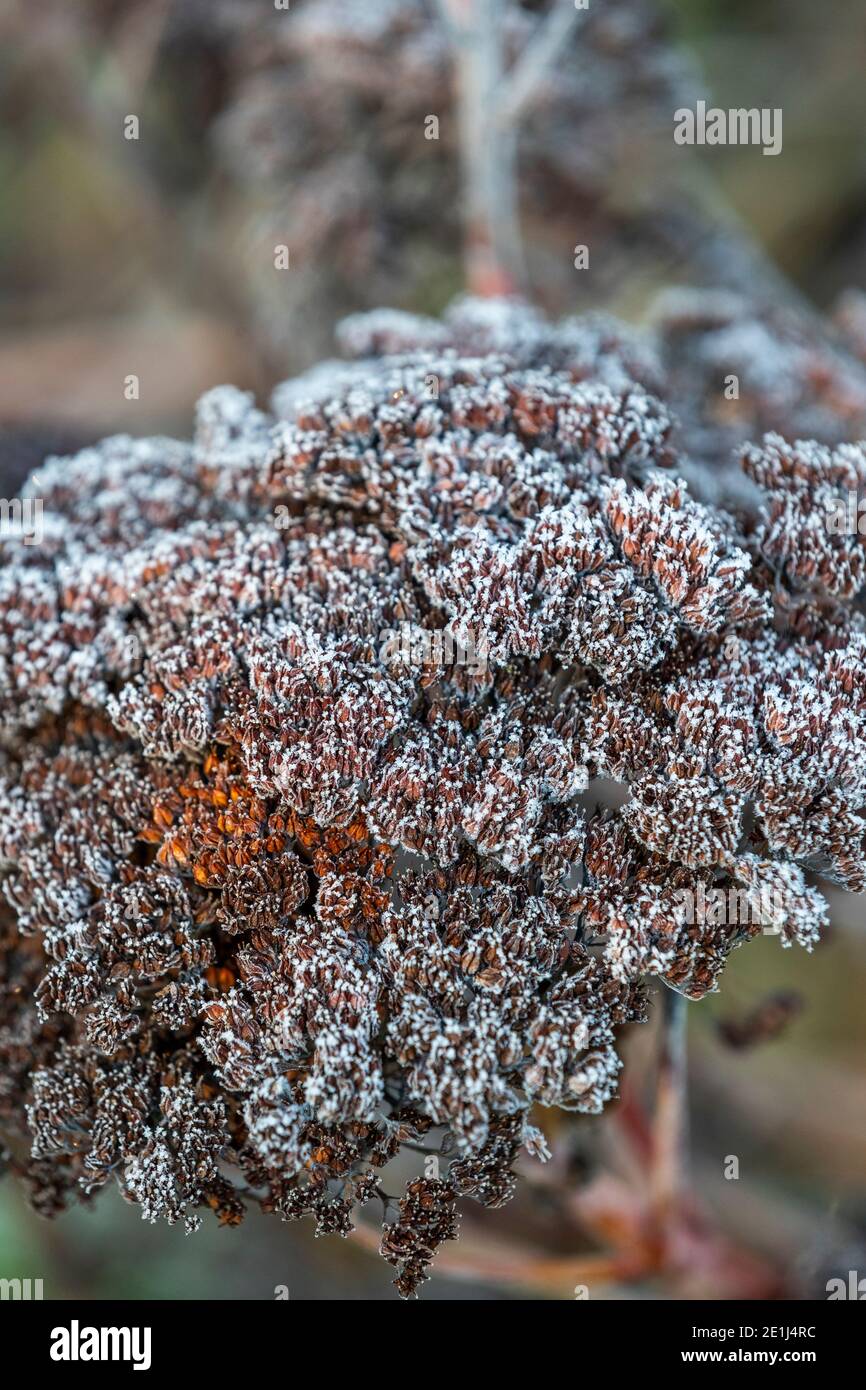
x=284, y=904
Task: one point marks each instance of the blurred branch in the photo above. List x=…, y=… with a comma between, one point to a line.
x=453, y=15
x=130, y=62
x=490, y=101
x=494, y=1262
x=527, y=75
x=493, y=249
x=669, y=1119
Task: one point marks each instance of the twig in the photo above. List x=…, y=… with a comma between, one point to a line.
x=522, y=1268
x=525, y=78
x=453, y=14
x=669, y=1120
x=492, y=244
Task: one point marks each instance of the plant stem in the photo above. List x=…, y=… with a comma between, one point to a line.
x=667, y=1171
x=488, y=155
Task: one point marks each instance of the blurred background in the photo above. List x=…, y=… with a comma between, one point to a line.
x=259, y=127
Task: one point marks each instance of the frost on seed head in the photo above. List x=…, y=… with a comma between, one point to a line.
x=280, y=901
